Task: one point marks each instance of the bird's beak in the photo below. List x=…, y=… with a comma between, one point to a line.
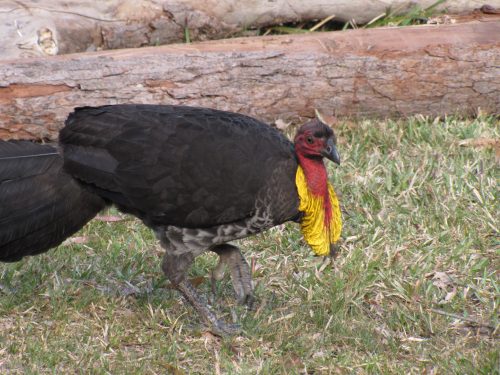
x=330, y=152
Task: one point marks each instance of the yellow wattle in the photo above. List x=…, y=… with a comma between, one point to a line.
x=317, y=233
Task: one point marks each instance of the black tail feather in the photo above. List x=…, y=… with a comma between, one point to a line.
x=40, y=204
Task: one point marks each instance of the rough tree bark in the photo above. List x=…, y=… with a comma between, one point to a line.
x=379, y=72
x=35, y=28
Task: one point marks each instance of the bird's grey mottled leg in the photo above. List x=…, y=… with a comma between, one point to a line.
x=241, y=275
x=175, y=267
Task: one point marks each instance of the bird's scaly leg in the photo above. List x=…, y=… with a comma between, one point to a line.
x=241, y=275
x=175, y=266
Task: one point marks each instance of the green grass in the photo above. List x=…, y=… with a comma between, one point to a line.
x=413, y=290
x=405, y=15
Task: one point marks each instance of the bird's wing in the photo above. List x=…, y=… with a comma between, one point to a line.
x=184, y=166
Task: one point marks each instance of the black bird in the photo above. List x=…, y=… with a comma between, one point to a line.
x=197, y=177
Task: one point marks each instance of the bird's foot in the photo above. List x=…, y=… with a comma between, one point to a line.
x=215, y=325
x=221, y=328
x=175, y=266
x=241, y=276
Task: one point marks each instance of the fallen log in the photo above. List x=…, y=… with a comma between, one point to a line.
x=32, y=28
x=432, y=70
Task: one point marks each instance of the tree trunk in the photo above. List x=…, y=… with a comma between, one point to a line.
x=32, y=28
x=432, y=70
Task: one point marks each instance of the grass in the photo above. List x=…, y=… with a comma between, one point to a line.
x=404, y=15
x=414, y=289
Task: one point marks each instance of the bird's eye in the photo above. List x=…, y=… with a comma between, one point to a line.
x=310, y=140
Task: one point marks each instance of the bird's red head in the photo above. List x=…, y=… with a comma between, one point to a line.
x=315, y=140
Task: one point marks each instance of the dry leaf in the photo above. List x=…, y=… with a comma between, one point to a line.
x=77, y=240
x=441, y=280
x=292, y=361
x=171, y=369
x=483, y=143
x=195, y=281
x=209, y=337
x=414, y=339
x=109, y=219
x=441, y=20
x=326, y=261
x=449, y=296
x=326, y=119
x=281, y=125
x=480, y=142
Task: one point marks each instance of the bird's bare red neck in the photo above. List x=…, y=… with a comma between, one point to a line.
x=317, y=181
x=315, y=173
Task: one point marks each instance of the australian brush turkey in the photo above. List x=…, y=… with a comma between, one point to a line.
x=197, y=177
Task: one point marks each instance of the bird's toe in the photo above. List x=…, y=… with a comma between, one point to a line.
x=249, y=301
x=221, y=328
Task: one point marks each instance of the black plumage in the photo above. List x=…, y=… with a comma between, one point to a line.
x=40, y=205
x=198, y=177
x=173, y=165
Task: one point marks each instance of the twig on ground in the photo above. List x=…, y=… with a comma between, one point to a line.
x=463, y=318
